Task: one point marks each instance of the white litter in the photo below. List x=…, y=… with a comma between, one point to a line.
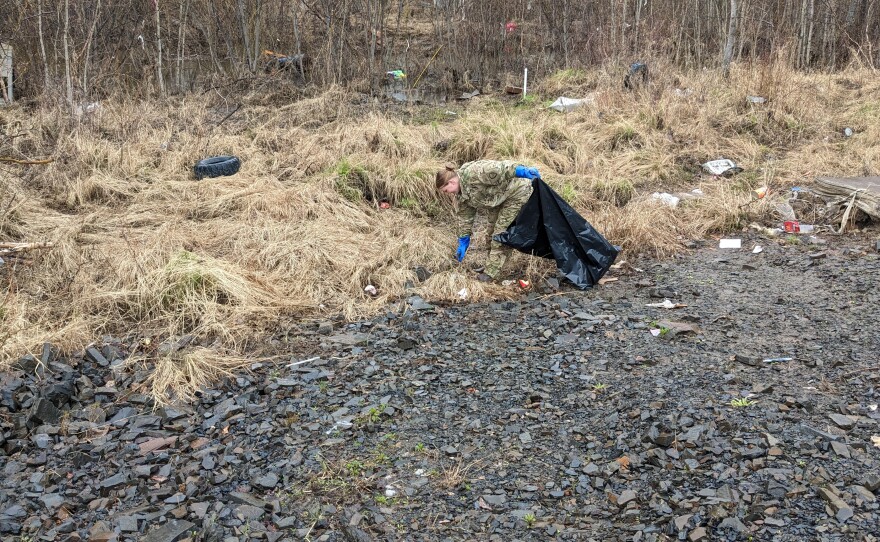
x=758, y=249
x=463, y=293
x=564, y=105
x=294, y=364
x=666, y=304
x=756, y=99
x=370, y=289
x=718, y=167
x=666, y=198
x=730, y=243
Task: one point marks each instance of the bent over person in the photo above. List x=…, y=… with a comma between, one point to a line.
x=501, y=188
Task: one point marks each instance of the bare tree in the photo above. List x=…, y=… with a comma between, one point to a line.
x=731, y=38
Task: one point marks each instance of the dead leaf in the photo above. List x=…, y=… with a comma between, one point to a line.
x=623, y=461
x=606, y=280
x=482, y=504
x=876, y=440
x=666, y=304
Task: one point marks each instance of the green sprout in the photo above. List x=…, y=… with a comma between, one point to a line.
x=742, y=402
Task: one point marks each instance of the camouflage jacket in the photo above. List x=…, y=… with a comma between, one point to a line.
x=484, y=184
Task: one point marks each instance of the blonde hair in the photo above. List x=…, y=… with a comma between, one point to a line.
x=445, y=175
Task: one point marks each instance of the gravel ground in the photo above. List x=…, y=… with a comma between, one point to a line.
x=564, y=415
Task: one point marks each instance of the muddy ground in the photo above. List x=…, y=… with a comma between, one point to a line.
x=561, y=415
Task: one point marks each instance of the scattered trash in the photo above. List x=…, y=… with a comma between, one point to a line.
x=624, y=266
x=564, y=105
x=722, y=166
x=730, y=243
x=777, y=360
x=785, y=212
x=758, y=249
x=510, y=26
x=806, y=228
x=697, y=192
x=371, y=290
x=217, y=166
x=759, y=193
x=666, y=198
x=384, y=204
x=667, y=304
x=862, y=193
x=463, y=294
x=875, y=439
x=469, y=95
x=524, y=284
x=451, y=113
x=87, y=108
x=637, y=76
x=683, y=92
x=655, y=332
x=756, y=99
x=508, y=282
x=295, y=363
x=397, y=75
x=848, y=132
x=791, y=226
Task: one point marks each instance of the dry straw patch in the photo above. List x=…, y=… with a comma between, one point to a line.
x=141, y=247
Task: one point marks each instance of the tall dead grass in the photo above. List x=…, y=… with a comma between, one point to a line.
x=141, y=247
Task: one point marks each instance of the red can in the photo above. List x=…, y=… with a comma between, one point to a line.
x=792, y=226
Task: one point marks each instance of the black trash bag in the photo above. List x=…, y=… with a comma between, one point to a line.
x=548, y=227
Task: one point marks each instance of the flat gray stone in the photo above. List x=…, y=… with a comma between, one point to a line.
x=170, y=532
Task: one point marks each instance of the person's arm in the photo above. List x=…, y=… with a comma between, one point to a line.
x=465, y=219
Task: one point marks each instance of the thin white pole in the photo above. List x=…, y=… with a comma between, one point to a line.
x=525, y=81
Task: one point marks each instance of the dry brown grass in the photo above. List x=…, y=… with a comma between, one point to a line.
x=141, y=247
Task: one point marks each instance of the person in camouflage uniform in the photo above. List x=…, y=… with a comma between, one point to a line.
x=501, y=188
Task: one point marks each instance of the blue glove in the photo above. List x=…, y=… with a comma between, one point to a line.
x=524, y=172
x=463, y=243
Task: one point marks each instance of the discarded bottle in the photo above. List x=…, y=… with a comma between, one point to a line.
x=806, y=228
x=791, y=226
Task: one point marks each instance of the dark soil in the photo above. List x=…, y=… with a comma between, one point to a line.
x=559, y=416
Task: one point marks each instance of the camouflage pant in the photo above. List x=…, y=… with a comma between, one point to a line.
x=503, y=215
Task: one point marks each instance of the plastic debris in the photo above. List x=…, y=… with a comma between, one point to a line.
x=564, y=105
x=463, y=293
x=722, y=166
x=371, y=290
x=848, y=132
x=666, y=304
x=758, y=249
x=666, y=198
x=730, y=243
x=759, y=193
x=397, y=75
x=508, y=282
x=777, y=360
x=756, y=99
x=785, y=212
x=791, y=226
x=510, y=26
x=524, y=284
x=384, y=204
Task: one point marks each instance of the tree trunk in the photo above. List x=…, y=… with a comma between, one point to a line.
x=85, y=76
x=242, y=21
x=159, y=48
x=67, y=76
x=42, y=45
x=731, y=39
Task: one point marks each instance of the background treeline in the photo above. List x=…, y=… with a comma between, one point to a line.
x=88, y=48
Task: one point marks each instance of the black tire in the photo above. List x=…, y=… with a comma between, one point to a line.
x=217, y=166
